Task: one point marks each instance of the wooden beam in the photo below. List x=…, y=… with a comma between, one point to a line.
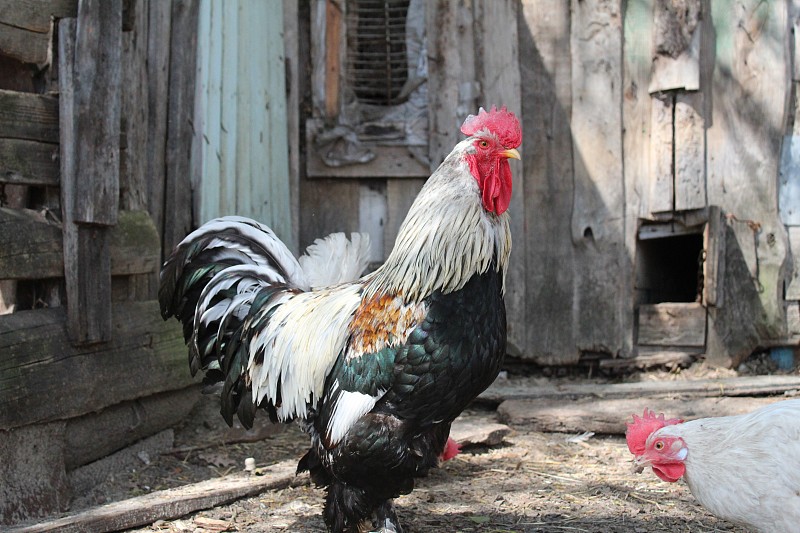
x=333, y=38
x=650, y=360
x=31, y=245
x=503, y=390
x=29, y=116
x=144, y=356
x=609, y=416
x=23, y=45
x=35, y=15
x=24, y=162
x=172, y=503
x=180, y=113
x=96, y=105
x=672, y=324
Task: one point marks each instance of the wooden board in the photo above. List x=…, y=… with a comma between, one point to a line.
x=172, y=503
x=95, y=435
x=610, y=416
x=672, y=324
x=518, y=389
x=547, y=144
x=179, y=112
x=23, y=45
x=690, y=170
x=604, y=274
x=96, y=108
x=746, y=121
x=31, y=246
x=497, y=68
x=144, y=356
x=661, y=193
x=158, y=38
x=29, y=116
x=34, y=15
x=24, y=162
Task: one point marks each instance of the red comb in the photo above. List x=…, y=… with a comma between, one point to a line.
x=501, y=123
x=643, y=426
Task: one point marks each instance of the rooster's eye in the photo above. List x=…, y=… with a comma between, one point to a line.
x=659, y=445
x=483, y=144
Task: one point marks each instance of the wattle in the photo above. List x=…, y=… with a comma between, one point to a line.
x=495, y=182
x=671, y=472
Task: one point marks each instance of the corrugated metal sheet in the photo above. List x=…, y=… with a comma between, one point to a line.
x=241, y=151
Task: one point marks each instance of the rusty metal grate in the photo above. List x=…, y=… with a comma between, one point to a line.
x=376, y=51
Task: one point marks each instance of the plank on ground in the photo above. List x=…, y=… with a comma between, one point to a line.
x=609, y=416
x=172, y=503
x=740, y=386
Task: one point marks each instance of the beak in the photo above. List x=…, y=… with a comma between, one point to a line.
x=640, y=463
x=511, y=153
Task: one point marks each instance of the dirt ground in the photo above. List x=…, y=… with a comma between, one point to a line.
x=533, y=482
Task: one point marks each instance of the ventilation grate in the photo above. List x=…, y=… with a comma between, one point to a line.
x=377, y=61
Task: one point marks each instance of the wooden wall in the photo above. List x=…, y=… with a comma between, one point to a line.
x=95, y=130
x=624, y=127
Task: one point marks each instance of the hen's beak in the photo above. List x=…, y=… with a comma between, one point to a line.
x=640, y=463
x=511, y=153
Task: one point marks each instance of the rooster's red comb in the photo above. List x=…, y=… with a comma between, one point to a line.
x=502, y=123
x=643, y=426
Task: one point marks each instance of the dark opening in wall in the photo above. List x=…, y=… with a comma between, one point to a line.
x=669, y=266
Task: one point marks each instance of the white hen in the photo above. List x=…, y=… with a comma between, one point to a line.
x=743, y=468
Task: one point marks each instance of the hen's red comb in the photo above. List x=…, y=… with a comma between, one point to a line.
x=643, y=426
x=502, y=123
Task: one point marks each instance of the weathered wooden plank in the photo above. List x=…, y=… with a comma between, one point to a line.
x=158, y=54
x=28, y=116
x=28, y=163
x=677, y=34
x=636, y=110
x=661, y=195
x=34, y=15
x=334, y=26
x=291, y=40
x=96, y=95
x=389, y=162
x=38, y=356
x=448, y=61
x=793, y=287
x=649, y=360
x=547, y=142
x=180, y=110
x=526, y=389
x=95, y=435
x=23, y=45
x=172, y=503
x=372, y=212
x=31, y=246
x=497, y=68
x=87, y=263
x=604, y=272
x=747, y=101
x=32, y=468
x=690, y=153
x=610, y=416
x=672, y=324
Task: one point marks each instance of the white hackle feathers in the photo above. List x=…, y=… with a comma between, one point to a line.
x=349, y=407
x=446, y=238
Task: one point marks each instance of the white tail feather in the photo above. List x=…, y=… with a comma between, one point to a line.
x=335, y=259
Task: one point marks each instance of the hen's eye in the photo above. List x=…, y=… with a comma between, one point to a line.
x=659, y=445
x=483, y=144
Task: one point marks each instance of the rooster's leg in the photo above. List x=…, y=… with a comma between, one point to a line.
x=386, y=519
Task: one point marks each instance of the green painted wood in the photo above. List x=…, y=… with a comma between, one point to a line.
x=244, y=167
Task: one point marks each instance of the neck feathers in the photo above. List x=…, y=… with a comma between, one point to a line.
x=446, y=238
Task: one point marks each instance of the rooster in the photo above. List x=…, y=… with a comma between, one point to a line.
x=374, y=370
x=743, y=468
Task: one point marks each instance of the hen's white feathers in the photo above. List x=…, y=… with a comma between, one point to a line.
x=746, y=468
